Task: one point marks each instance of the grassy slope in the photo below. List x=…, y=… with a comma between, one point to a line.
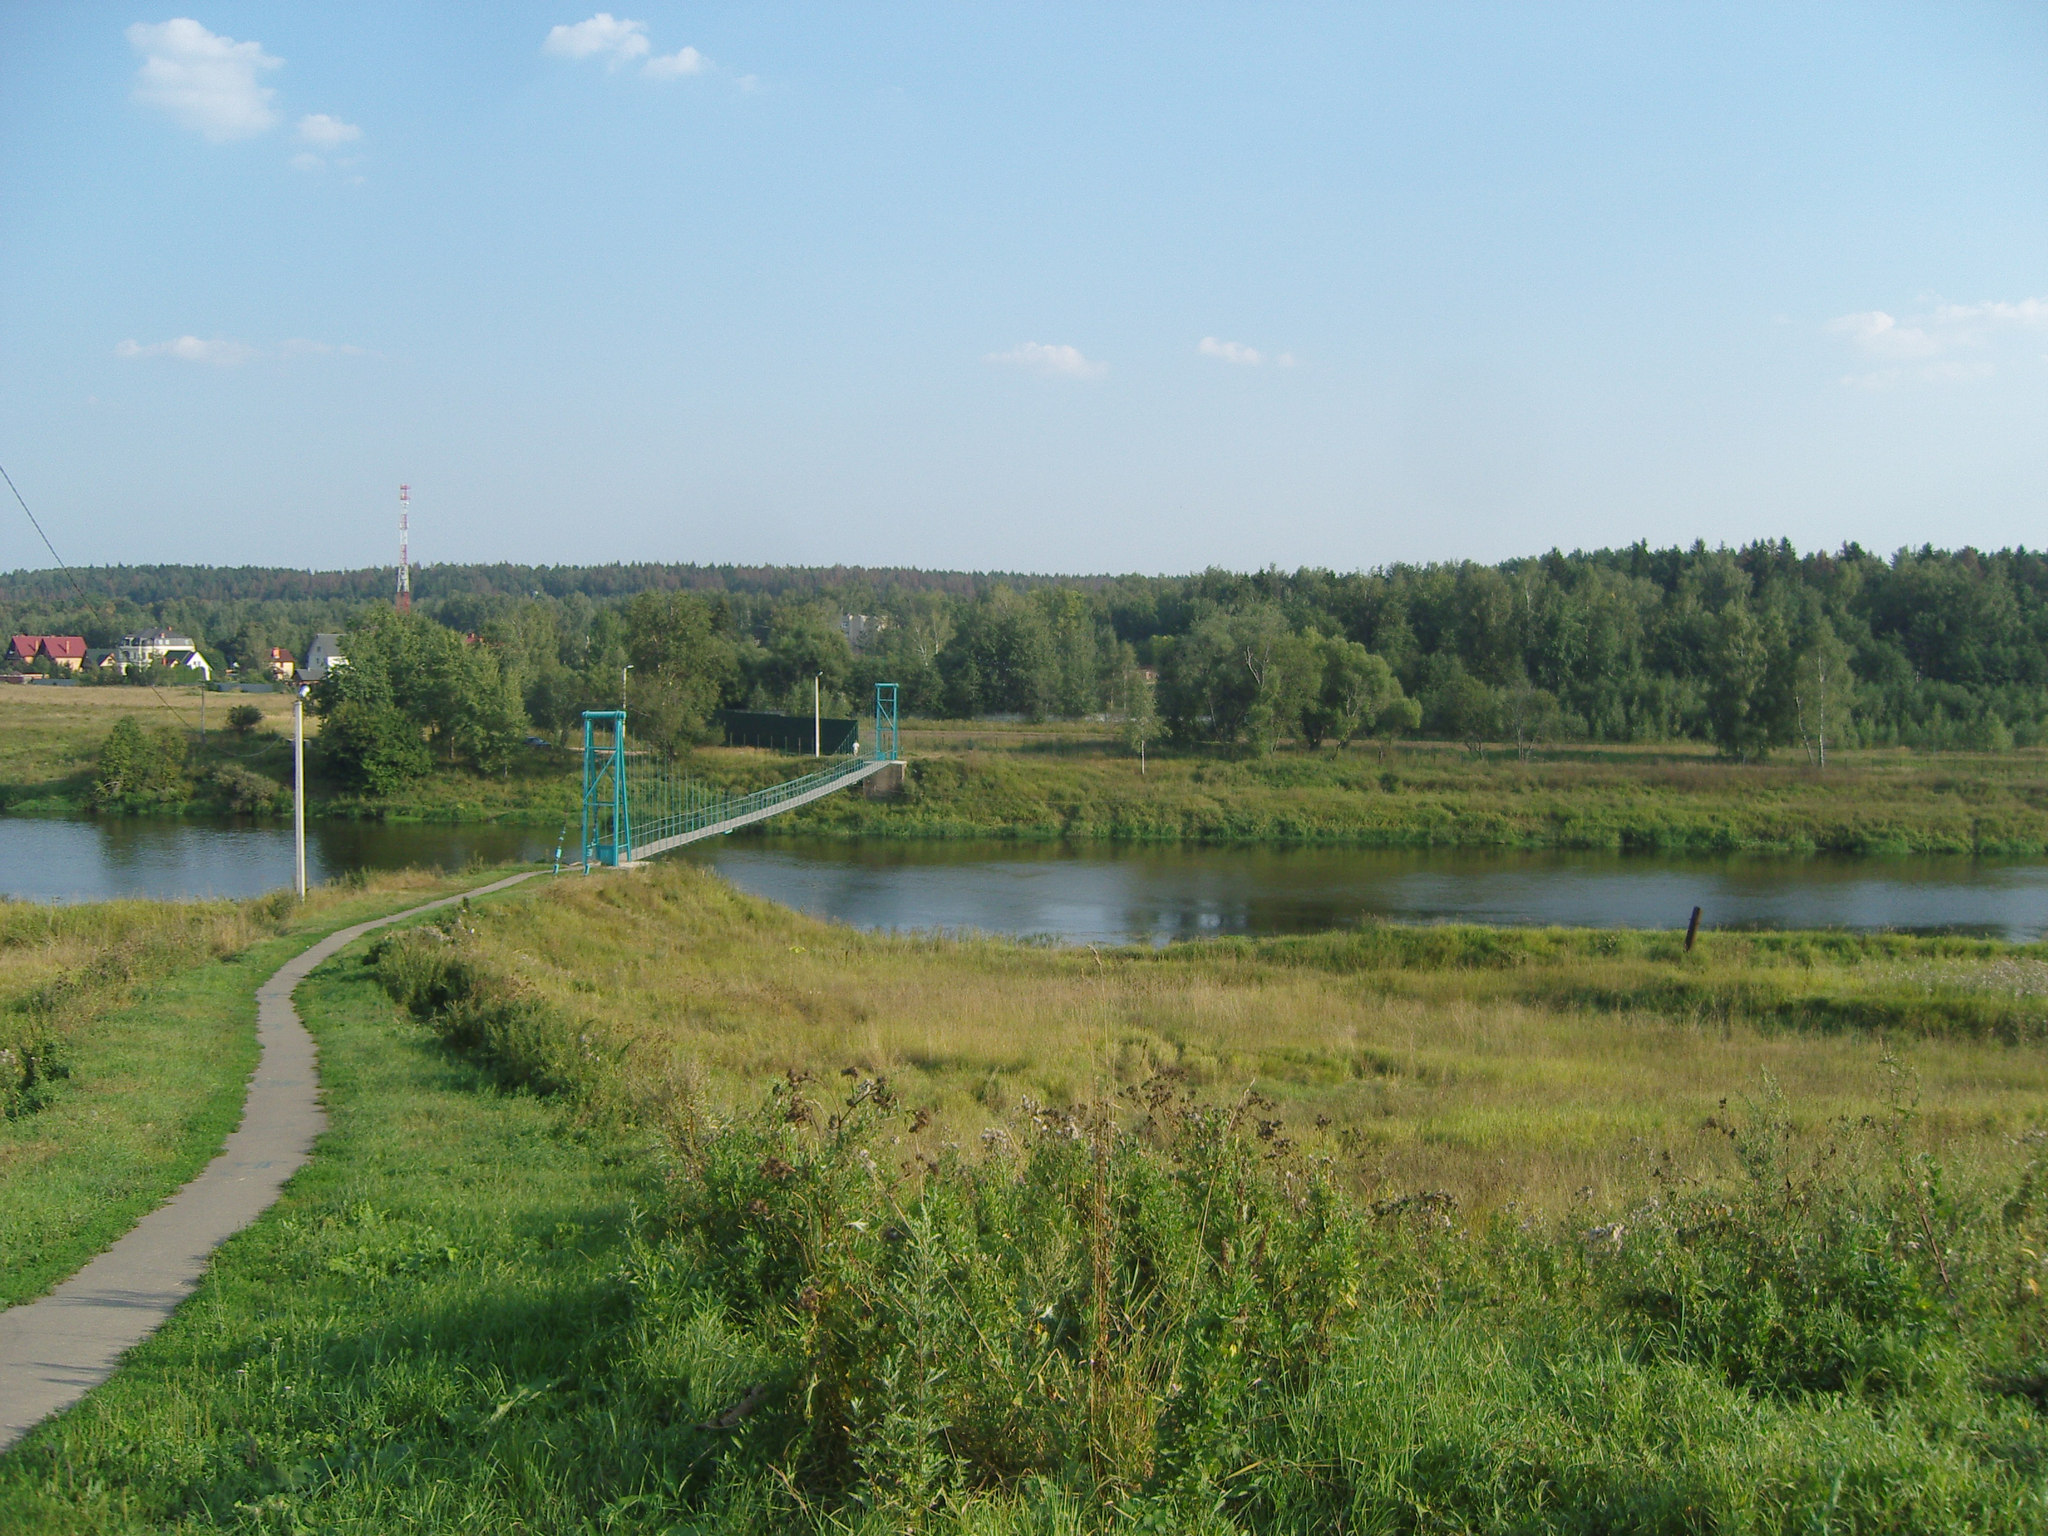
x=445, y=1327
x=413, y=1339
x=1498, y=1064
x=160, y=1051
x=1071, y=781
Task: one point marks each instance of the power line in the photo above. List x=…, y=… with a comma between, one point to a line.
x=77, y=586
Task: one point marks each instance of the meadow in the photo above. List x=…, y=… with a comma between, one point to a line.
x=649, y=1206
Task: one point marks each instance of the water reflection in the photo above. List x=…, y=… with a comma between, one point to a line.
x=1118, y=895
x=1092, y=894
x=99, y=860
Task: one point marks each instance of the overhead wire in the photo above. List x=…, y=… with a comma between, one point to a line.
x=83, y=597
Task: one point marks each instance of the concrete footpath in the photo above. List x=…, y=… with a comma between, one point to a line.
x=58, y=1348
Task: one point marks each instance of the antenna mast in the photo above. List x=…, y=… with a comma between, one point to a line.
x=404, y=551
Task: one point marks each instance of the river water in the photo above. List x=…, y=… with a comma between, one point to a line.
x=1092, y=893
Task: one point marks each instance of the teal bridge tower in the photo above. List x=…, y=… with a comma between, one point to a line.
x=636, y=806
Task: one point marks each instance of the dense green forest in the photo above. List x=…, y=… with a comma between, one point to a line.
x=1750, y=649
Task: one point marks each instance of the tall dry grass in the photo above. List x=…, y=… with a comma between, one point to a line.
x=1541, y=1067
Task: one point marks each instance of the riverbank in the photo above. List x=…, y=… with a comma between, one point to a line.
x=657, y=1208
x=1076, y=782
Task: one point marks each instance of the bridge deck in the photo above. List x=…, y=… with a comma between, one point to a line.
x=851, y=776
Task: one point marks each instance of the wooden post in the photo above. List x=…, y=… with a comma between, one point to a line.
x=1692, y=930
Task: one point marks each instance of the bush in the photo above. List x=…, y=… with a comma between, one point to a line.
x=1074, y=1298
x=139, y=767
x=434, y=974
x=30, y=1070
x=249, y=794
x=244, y=718
x=372, y=747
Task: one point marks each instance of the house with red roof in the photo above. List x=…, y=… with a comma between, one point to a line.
x=65, y=652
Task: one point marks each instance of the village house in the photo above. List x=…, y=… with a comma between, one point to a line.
x=151, y=646
x=187, y=661
x=322, y=657
x=280, y=664
x=64, y=652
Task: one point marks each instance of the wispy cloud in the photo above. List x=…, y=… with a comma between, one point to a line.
x=1057, y=361
x=617, y=41
x=206, y=82
x=1231, y=352
x=1242, y=356
x=667, y=66
x=220, y=352
x=327, y=132
x=1945, y=343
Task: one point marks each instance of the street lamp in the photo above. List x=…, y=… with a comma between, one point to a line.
x=622, y=686
x=817, y=719
x=299, y=789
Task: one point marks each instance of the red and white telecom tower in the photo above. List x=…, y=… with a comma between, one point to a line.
x=404, y=551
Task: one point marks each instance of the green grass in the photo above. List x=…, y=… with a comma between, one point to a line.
x=1072, y=781
x=1017, y=783
x=150, y=1009
x=417, y=1336
x=668, y=1300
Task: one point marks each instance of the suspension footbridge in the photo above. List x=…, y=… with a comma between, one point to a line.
x=636, y=806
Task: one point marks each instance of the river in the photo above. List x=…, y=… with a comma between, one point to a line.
x=1093, y=893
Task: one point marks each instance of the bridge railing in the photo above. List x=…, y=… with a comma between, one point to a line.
x=666, y=806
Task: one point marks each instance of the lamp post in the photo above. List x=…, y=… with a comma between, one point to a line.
x=299, y=790
x=817, y=718
x=622, y=686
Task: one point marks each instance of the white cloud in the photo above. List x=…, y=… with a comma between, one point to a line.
x=1056, y=361
x=308, y=162
x=1933, y=340
x=190, y=349
x=327, y=132
x=2027, y=312
x=222, y=353
x=206, y=82
x=667, y=66
x=604, y=33
x=1231, y=352
x=1880, y=335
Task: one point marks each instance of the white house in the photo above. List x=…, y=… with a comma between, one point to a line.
x=322, y=657
x=190, y=661
x=151, y=646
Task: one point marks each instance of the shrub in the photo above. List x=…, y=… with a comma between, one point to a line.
x=30, y=1070
x=244, y=718
x=139, y=766
x=249, y=794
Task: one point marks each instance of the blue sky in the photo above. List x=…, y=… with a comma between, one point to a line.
x=1037, y=287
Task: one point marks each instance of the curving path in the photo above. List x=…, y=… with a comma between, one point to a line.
x=56, y=1349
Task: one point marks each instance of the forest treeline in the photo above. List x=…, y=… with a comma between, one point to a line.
x=1748, y=649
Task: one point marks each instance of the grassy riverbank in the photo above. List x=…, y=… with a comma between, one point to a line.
x=659, y=1208
x=127, y=1035
x=1020, y=783
x=1074, y=782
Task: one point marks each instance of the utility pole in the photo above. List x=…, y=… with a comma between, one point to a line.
x=817, y=718
x=404, y=549
x=299, y=790
x=622, y=686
